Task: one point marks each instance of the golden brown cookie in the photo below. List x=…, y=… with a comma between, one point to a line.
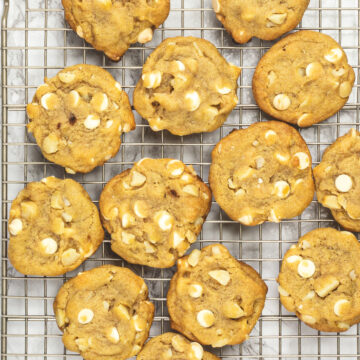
x=186, y=87
x=215, y=299
x=303, y=79
x=336, y=180
x=172, y=346
x=104, y=313
x=266, y=20
x=154, y=211
x=262, y=173
x=112, y=26
x=78, y=116
x=319, y=279
x=53, y=227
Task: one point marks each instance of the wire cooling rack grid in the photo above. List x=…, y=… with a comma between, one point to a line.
x=37, y=43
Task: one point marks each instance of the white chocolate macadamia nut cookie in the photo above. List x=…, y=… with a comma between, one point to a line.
x=154, y=211
x=266, y=20
x=175, y=347
x=186, y=87
x=337, y=180
x=112, y=26
x=303, y=79
x=214, y=299
x=319, y=280
x=78, y=116
x=262, y=173
x=53, y=226
x=104, y=313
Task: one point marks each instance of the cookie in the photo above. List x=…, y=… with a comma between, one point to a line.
x=104, y=313
x=175, y=347
x=267, y=20
x=213, y=298
x=78, y=116
x=319, y=280
x=53, y=227
x=154, y=211
x=262, y=173
x=336, y=180
x=186, y=87
x=303, y=79
x=112, y=26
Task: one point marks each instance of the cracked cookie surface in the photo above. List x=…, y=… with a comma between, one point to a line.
x=303, y=79
x=112, y=26
x=172, y=346
x=78, y=116
x=104, y=313
x=186, y=87
x=154, y=211
x=336, y=180
x=319, y=279
x=53, y=226
x=215, y=299
x=267, y=20
x=262, y=173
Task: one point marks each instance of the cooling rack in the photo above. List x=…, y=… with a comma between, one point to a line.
x=36, y=42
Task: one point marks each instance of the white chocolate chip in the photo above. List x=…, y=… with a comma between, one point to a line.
x=121, y=311
x=15, y=227
x=221, y=276
x=197, y=350
x=232, y=310
x=82, y=343
x=50, y=144
x=343, y=183
x=281, y=102
x=190, y=236
x=306, y=268
x=49, y=101
x=205, y=318
x=331, y=202
x=246, y=219
x=49, y=246
x=164, y=220
x=127, y=238
x=149, y=249
x=341, y=307
x=113, y=335
x=137, y=179
x=67, y=77
x=29, y=209
x=192, y=100
x=273, y=216
x=325, y=284
x=175, y=168
x=271, y=77
x=85, y=316
x=302, y=120
x=334, y=55
x=141, y=209
x=56, y=201
x=118, y=86
x=67, y=217
x=282, y=291
x=293, y=259
x=139, y=323
x=92, y=122
x=260, y=161
x=152, y=79
x=220, y=343
x=270, y=137
x=343, y=325
x=177, y=239
x=191, y=190
x=314, y=70
x=100, y=102
x=282, y=158
x=352, y=275
x=109, y=124
x=224, y=90
x=127, y=220
x=106, y=305
x=216, y=5
x=74, y=98
x=177, y=342
x=194, y=257
x=282, y=189
x=180, y=65
x=303, y=160
x=80, y=31
x=308, y=319
x=69, y=257
x=338, y=72
x=310, y=295
x=277, y=19
x=345, y=89
x=195, y=290
x=145, y=36
x=231, y=184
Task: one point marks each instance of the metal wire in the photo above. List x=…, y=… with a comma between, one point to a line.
x=37, y=43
